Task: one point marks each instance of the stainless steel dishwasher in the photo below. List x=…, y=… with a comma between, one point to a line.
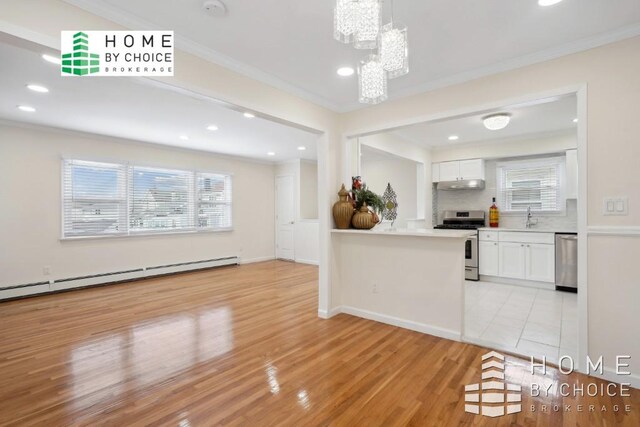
x=567, y=262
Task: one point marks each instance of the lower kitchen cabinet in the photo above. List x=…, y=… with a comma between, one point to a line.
x=488, y=258
x=524, y=260
x=512, y=260
x=540, y=263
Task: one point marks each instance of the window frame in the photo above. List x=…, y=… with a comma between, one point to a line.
x=561, y=193
x=128, y=233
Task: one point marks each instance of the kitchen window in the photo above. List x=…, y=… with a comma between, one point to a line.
x=112, y=199
x=537, y=184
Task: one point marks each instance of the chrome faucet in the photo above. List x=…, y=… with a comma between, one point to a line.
x=530, y=222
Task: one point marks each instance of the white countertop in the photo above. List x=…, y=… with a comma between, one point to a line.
x=528, y=230
x=418, y=232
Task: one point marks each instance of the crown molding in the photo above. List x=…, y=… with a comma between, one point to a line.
x=132, y=21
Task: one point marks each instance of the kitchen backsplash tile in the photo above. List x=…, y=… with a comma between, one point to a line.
x=481, y=200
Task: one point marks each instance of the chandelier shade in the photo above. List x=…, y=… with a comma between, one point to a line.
x=368, y=19
x=344, y=20
x=394, y=52
x=372, y=80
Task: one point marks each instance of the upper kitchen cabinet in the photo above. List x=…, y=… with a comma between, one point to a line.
x=459, y=170
x=572, y=174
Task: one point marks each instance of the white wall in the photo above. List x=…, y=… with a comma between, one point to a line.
x=389, y=143
x=308, y=189
x=30, y=219
x=378, y=169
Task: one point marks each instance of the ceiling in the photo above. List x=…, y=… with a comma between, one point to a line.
x=289, y=43
x=548, y=116
x=137, y=109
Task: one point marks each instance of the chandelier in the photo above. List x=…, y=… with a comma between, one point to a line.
x=359, y=22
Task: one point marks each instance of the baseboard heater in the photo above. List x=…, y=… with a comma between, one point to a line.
x=58, y=285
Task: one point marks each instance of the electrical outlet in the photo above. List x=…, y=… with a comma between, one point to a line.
x=46, y=270
x=375, y=288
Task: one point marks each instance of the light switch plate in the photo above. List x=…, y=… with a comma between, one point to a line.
x=615, y=206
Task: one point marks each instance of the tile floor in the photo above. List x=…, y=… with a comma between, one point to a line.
x=526, y=321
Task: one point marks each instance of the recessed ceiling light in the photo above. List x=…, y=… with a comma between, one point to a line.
x=184, y=137
x=271, y=153
x=454, y=138
x=301, y=148
x=38, y=88
x=548, y=2
x=52, y=59
x=249, y=115
x=575, y=120
x=497, y=121
x=26, y=108
x=212, y=127
x=345, y=71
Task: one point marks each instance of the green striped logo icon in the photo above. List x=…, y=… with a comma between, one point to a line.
x=80, y=61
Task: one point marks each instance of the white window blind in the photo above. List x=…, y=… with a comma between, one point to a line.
x=538, y=184
x=161, y=199
x=94, y=198
x=214, y=201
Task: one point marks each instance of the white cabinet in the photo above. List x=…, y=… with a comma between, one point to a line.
x=450, y=171
x=540, y=262
x=472, y=169
x=517, y=255
x=572, y=174
x=458, y=170
x=435, y=172
x=488, y=258
x=512, y=260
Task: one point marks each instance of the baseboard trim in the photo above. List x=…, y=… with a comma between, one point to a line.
x=324, y=314
x=258, y=259
x=518, y=282
x=307, y=261
x=609, y=374
x=403, y=323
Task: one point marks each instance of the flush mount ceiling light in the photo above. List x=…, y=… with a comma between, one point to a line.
x=212, y=127
x=575, y=120
x=249, y=115
x=184, y=137
x=548, y=2
x=301, y=148
x=454, y=138
x=214, y=7
x=38, y=88
x=52, y=59
x=26, y=108
x=345, y=71
x=497, y=121
x=271, y=153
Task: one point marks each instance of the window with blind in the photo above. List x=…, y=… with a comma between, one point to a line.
x=537, y=184
x=95, y=198
x=101, y=199
x=214, y=201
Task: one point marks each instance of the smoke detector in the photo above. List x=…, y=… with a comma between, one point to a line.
x=214, y=7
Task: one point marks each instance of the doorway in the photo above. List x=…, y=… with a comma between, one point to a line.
x=285, y=217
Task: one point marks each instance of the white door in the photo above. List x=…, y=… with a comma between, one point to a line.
x=540, y=262
x=488, y=258
x=285, y=217
x=449, y=171
x=472, y=169
x=512, y=260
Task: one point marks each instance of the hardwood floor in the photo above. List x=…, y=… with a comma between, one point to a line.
x=244, y=346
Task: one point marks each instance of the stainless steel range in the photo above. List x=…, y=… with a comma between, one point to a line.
x=466, y=220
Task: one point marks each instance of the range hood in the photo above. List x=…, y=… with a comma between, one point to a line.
x=465, y=184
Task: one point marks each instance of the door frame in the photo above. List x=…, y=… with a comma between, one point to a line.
x=295, y=213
